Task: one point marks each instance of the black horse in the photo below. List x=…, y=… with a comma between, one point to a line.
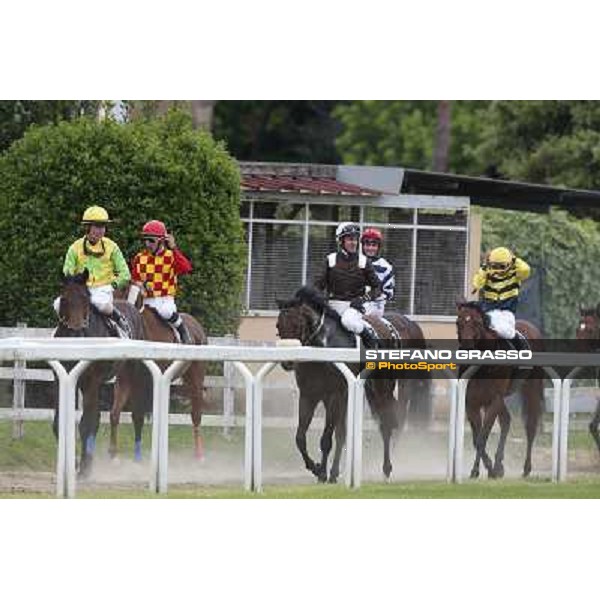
x=588, y=332
x=78, y=318
x=308, y=318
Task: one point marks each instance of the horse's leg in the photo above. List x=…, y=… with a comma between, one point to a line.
x=504, y=421
x=474, y=417
x=88, y=427
x=594, y=424
x=401, y=405
x=490, y=415
x=533, y=393
x=137, y=416
x=388, y=422
x=193, y=381
x=326, y=441
x=122, y=391
x=340, y=439
x=307, y=410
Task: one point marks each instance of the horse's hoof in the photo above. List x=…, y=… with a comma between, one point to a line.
x=474, y=474
x=333, y=479
x=497, y=472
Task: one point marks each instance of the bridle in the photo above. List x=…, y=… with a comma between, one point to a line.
x=477, y=324
x=313, y=335
x=86, y=321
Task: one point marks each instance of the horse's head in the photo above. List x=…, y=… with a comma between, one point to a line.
x=471, y=323
x=74, y=308
x=294, y=320
x=589, y=324
x=299, y=318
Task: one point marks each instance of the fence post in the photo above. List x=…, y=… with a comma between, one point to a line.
x=19, y=394
x=228, y=393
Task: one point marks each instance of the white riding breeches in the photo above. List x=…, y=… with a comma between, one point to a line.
x=164, y=306
x=503, y=323
x=351, y=318
x=101, y=297
x=375, y=307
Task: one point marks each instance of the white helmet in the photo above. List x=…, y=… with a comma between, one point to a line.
x=346, y=228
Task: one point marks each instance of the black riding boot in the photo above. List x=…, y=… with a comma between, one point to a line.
x=178, y=323
x=123, y=329
x=369, y=336
x=520, y=342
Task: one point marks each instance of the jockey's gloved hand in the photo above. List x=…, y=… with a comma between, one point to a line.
x=358, y=305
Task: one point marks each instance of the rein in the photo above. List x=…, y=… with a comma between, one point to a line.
x=316, y=331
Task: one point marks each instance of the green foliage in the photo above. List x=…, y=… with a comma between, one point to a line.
x=402, y=133
x=17, y=115
x=159, y=169
x=568, y=249
x=553, y=142
x=278, y=130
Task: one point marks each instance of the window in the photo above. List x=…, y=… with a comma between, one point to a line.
x=288, y=243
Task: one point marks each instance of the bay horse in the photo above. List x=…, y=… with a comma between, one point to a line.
x=156, y=330
x=308, y=318
x=77, y=318
x=489, y=387
x=588, y=332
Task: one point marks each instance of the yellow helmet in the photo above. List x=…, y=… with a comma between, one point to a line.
x=95, y=214
x=500, y=259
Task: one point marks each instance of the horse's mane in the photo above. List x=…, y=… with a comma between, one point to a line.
x=589, y=312
x=316, y=300
x=476, y=306
x=472, y=304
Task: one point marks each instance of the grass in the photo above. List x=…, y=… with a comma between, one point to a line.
x=36, y=454
x=507, y=489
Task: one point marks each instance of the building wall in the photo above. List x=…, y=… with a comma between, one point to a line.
x=262, y=328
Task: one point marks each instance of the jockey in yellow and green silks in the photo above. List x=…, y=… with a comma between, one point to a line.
x=105, y=263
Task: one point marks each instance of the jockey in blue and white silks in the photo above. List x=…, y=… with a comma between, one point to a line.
x=371, y=241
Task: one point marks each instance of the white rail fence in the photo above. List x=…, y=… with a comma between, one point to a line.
x=229, y=382
x=84, y=351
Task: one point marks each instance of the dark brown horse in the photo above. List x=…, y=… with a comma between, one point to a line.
x=156, y=330
x=487, y=390
x=588, y=331
x=307, y=318
x=79, y=318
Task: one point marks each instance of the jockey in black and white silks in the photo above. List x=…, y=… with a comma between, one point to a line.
x=371, y=241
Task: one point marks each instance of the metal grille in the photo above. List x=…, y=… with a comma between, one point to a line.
x=321, y=242
x=397, y=250
x=440, y=272
x=277, y=251
x=286, y=255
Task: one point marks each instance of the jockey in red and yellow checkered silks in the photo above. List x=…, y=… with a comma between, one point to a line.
x=157, y=273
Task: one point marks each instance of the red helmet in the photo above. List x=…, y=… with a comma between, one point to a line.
x=154, y=229
x=371, y=234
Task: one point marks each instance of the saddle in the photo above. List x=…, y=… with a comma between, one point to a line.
x=384, y=329
x=170, y=326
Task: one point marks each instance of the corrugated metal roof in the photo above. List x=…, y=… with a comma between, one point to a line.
x=303, y=185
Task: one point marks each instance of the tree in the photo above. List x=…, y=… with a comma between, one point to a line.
x=552, y=142
x=17, y=115
x=159, y=169
x=403, y=133
x=278, y=130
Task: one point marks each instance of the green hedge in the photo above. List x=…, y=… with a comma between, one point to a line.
x=568, y=249
x=161, y=169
